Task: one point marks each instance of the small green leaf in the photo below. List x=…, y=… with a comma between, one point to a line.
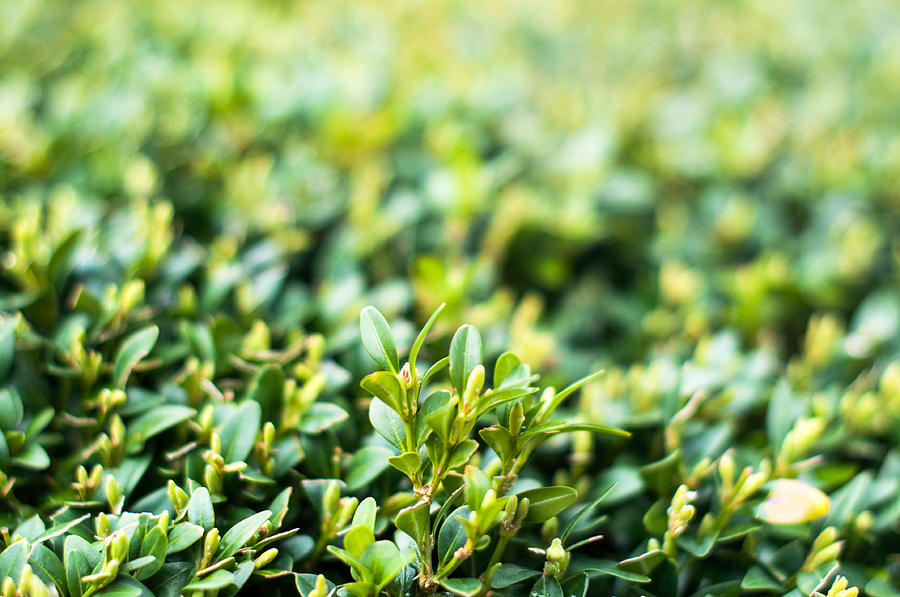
x=47, y=565
x=365, y=513
x=506, y=362
x=500, y=441
x=546, y=586
x=155, y=544
x=366, y=465
x=155, y=421
x=464, y=587
x=219, y=579
x=307, y=582
x=33, y=457
x=387, y=423
x=238, y=535
x=11, y=409
x=171, y=579
x=200, y=509
x=182, y=536
x=387, y=388
x=415, y=521
x=357, y=539
x=240, y=430
x=125, y=586
x=547, y=502
x=13, y=560
x=452, y=535
x=757, y=579
x=407, y=463
x=322, y=416
x=378, y=340
x=509, y=574
x=133, y=349
x=576, y=585
x=462, y=453
x=432, y=404
x=465, y=355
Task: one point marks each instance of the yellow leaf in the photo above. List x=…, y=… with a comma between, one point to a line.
x=792, y=501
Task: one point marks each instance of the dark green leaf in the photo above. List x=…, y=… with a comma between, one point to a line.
x=182, y=536
x=420, y=339
x=47, y=565
x=509, y=574
x=546, y=586
x=171, y=579
x=218, y=579
x=415, y=521
x=13, y=560
x=387, y=423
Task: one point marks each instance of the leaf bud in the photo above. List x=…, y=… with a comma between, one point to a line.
x=265, y=558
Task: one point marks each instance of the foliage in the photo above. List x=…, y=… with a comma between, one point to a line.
x=199, y=204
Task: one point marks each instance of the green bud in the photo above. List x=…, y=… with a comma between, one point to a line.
x=211, y=543
x=212, y=479
x=163, y=521
x=205, y=421
x=111, y=569
x=330, y=500
x=557, y=559
x=265, y=558
x=268, y=434
x=8, y=587
x=321, y=588
x=177, y=496
x=113, y=494
x=96, y=476
x=102, y=525
x=118, y=549
x=81, y=476
x=215, y=443
x=473, y=388
x=550, y=529
x=516, y=418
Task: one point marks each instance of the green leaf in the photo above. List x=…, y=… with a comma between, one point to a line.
x=182, y=536
x=415, y=521
x=13, y=560
x=407, y=463
x=462, y=453
x=509, y=574
x=357, y=539
x=547, y=502
x=573, y=523
x=155, y=544
x=79, y=558
x=506, y=362
x=171, y=579
x=365, y=513
x=757, y=579
x=378, y=340
x=644, y=563
x=200, y=509
x=610, y=568
x=385, y=561
x=435, y=402
x=240, y=430
x=440, y=364
x=387, y=388
x=546, y=586
x=125, y=586
x=11, y=409
x=783, y=409
x=366, y=465
x=420, y=339
x=322, y=416
x=500, y=441
x=238, y=535
x=218, y=579
x=155, y=421
x=267, y=388
x=133, y=349
x=387, y=423
x=452, y=535
x=576, y=585
x=465, y=587
x=33, y=457
x=47, y=565
x=465, y=355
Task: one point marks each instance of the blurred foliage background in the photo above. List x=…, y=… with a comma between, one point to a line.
x=694, y=195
